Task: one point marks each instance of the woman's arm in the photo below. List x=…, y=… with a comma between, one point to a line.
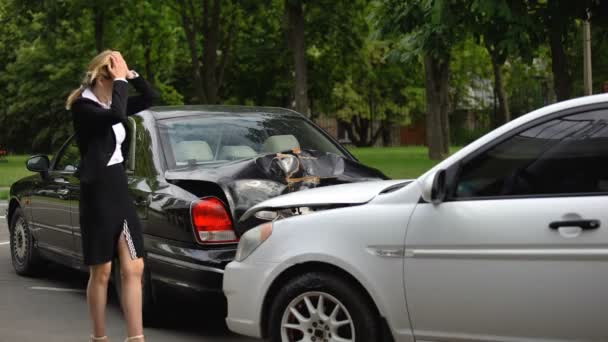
x=146, y=98
x=91, y=113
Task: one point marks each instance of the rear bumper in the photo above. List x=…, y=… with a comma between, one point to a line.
x=179, y=273
x=199, y=270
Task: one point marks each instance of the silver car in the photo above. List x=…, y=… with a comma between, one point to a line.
x=506, y=240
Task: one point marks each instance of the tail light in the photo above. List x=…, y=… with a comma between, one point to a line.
x=211, y=221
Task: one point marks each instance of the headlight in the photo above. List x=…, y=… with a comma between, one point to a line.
x=252, y=239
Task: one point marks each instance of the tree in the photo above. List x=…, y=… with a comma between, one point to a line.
x=261, y=72
x=294, y=15
x=428, y=28
x=502, y=27
x=44, y=50
x=210, y=28
x=147, y=34
x=378, y=90
x=33, y=82
x=554, y=22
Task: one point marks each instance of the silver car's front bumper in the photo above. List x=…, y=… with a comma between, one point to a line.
x=245, y=286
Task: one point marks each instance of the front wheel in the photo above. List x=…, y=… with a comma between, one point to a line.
x=320, y=307
x=25, y=257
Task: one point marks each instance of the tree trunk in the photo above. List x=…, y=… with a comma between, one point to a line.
x=149, y=67
x=211, y=44
x=99, y=27
x=350, y=128
x=437, y=123
x=363, y=131
x=387, y=133
x=562, y=79
x=444, y=98
x=148, y=61
x=295, y=27
x=503, y=114
x=191, y=38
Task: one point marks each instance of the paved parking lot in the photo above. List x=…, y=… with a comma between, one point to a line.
x=53, y=307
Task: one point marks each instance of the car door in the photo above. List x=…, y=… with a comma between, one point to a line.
x=51, y=201
x=519, y=249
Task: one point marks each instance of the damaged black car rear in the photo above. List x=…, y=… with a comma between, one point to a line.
x=193, y=172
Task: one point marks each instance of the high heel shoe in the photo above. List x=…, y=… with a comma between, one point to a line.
x=135, y=338
x=102, y=338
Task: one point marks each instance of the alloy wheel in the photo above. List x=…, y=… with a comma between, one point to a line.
x=317, y=317
x=20, y=240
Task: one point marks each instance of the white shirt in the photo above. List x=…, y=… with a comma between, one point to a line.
x=119, y=128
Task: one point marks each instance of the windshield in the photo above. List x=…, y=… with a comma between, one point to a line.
x=221, y=138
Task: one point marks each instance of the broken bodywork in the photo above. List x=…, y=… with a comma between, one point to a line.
x=322, y=199
x=246, y=183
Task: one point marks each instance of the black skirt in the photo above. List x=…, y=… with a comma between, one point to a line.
x=106, y=212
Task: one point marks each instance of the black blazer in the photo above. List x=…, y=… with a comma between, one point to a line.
x=93, y=126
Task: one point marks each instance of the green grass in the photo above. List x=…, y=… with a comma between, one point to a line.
x=12, y=170
x=3, y=194
x=396, y=162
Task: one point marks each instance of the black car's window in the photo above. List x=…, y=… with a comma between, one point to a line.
x=68, y=158
x=213, y=139
x=567, y=155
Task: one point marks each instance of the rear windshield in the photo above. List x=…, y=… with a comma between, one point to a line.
x=215, y=139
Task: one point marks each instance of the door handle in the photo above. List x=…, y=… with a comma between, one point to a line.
x=583, y=224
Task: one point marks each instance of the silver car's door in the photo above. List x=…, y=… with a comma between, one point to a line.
x=519, y=249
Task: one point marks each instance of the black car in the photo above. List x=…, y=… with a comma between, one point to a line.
x=193, y=171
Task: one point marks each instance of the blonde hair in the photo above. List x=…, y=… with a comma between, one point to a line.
x=98, y=67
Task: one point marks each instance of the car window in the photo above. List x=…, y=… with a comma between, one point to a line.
x=562, y=156
x=68, y=157
x=216, y=139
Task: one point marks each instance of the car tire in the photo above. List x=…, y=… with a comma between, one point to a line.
x=24, y=253
x=358, y=318
x=149, y=309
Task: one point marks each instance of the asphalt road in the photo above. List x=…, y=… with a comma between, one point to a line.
x=53, y=307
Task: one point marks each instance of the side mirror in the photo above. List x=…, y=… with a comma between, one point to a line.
x=39, y=163
x=434, y=188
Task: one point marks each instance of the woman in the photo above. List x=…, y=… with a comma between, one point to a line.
x=108, y=220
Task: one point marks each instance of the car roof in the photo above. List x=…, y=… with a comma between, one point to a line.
x=167, y=112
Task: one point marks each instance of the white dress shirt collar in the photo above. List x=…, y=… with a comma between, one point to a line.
x=89, y=94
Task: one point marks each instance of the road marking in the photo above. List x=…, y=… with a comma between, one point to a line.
x=4, y=243
x=2, y=216
x=55, y=289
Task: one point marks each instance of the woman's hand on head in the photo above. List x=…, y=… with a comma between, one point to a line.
x=118, y=67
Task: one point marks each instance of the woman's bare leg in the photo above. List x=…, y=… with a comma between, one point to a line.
x=131, y=272
x=97, y=295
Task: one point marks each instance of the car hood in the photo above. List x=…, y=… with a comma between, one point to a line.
x=249, y=182
x=331, y=196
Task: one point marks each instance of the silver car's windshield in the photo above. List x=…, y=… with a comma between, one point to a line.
x=211, y=139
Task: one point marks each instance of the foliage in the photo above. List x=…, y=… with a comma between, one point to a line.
x=529, y=84
x=35, y=84
x=471, y=70
x=372, y=64
x=422, y=26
